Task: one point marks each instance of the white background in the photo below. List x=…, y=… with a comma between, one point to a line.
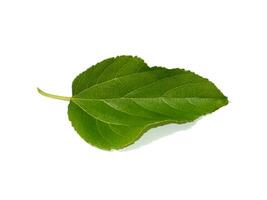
x=47, y=43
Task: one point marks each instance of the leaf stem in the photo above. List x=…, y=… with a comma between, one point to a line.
x=53, y=96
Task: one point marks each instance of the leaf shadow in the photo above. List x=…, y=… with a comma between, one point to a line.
x=157, y=133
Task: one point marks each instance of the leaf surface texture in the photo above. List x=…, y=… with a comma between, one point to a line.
x=115, y=101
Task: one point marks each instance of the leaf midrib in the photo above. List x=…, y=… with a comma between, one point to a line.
x=131, y=98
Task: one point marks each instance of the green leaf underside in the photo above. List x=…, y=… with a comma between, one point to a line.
x=115, y=101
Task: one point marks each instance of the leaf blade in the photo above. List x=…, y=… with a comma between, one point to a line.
x=124, y=98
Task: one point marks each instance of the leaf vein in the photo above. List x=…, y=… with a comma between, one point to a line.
x=97, y=117
x=183, y=85
x=127, y=62
x=150, y=110
x=123, y=136
x=99, y=133
x=151, y=83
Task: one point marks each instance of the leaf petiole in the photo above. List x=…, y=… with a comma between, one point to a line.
x=53, y=96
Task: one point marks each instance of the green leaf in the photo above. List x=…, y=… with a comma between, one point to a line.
x=117, y=100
